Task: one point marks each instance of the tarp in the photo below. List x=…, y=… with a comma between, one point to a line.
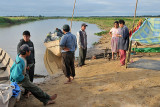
x=156, y=49
x=149, y=32
x=145, y=64
x=17, y=89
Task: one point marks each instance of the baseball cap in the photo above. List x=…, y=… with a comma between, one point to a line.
x=84, y=24
x=25, y=48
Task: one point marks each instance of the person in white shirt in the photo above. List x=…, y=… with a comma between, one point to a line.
x=114, y=41
x=82, y=44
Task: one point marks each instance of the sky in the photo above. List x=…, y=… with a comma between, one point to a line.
x=83, y=7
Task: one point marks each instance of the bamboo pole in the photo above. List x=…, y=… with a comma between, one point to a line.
x=73, y=13
x=130, y=46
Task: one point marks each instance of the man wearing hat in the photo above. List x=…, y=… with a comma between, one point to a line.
x=68, y=46
x=82, y=44
x=18, y=74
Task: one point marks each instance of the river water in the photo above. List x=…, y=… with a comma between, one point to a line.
x=10, y=37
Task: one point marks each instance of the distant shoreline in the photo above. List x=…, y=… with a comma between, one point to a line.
x=13, y=20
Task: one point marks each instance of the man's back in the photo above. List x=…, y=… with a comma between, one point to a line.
x=69, y=40
x=16, y=71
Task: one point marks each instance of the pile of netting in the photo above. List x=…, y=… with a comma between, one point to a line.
x=54, y=36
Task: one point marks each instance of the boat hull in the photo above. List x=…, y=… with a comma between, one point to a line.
x=54, y=47
x=6, y=63
x=52, y=62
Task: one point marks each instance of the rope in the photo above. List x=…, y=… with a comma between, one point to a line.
x=73, y=13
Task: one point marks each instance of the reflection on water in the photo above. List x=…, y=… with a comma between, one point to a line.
x=10, y=37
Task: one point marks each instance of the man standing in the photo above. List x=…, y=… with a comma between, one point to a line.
x=30, y=59
x=68, y=46
x=123, y=42
x=82, y=44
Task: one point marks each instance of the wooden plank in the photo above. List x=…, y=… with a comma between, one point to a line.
x=4, y=78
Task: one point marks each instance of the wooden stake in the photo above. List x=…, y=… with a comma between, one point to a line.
x=73, y=13
x=130, y=46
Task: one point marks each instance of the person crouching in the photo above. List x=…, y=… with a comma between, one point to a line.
x=18, y=74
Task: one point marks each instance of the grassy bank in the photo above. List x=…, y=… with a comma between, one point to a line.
x=7, y=21
x=106, y=23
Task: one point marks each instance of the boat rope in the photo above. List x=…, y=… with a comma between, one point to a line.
x=73, y=13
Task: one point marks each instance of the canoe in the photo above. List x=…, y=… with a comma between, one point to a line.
x=6, y=63
x=54, y=47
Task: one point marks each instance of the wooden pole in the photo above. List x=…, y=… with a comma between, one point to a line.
x=73, y=13
x=130, y=46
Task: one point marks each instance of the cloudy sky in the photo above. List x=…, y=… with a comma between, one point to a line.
x=83, y=7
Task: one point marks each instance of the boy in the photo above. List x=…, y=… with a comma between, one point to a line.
x=31, y=58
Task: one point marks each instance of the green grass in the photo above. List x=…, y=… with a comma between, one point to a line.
x=106, y=23
x=7, y=21
x=101, y=33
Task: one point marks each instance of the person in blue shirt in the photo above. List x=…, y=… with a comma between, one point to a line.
x=68, y=46
x=18, y=74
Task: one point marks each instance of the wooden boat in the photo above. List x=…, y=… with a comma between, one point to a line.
x=54, y=47
x=6, y=63
x=52, y=62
